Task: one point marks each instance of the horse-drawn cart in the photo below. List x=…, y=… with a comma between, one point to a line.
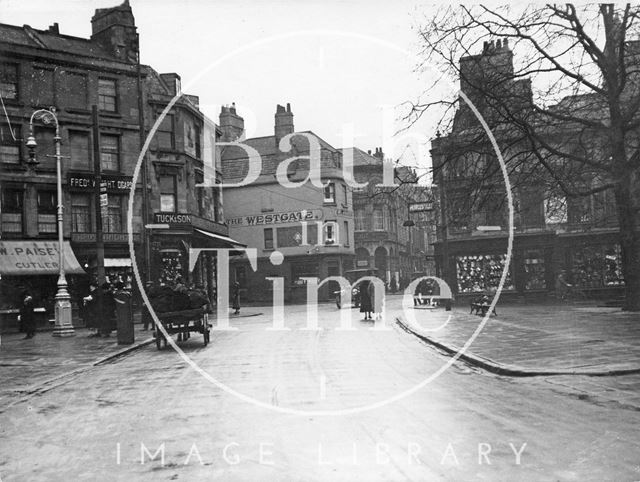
x=183, y=323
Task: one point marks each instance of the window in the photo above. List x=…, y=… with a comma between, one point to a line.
x=330, y=229
x=9, y=148
x=81, y=213
x=268, y=238
x=330, y=192
x=201, y=196
x=165, y=133
x=42, y=87
x=8, y=81
x=47, y=212
x=291, y=236
x=76, y=86
x=345, y=235
x=107, y=95
x=168, y=194
x=534, y=271
x=12, y=206
x=378, y=219
x=345, y=193
x=361, y=221
x=80, y=150
x=109, y=152
x=198, y=147
x=112, y=223
x=46, y=148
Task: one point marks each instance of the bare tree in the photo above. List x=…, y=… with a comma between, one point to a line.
x=564, y=109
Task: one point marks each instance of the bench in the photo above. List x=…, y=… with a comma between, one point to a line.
x=480, y=305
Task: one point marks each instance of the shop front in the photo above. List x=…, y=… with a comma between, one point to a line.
x=592, y=262
x=174, y=234
x=32, y=266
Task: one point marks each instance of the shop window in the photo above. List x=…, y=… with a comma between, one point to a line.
x=534, y=269
x=112, y=222
x=12, y=210
x=597, y=266
x=330, y=193
x=9, y=81
x=481, y=273
x=9, y=144
x=168, y=197
x=172, y=266
x=80, y=150
x=75, y=85
x=81, y=213
x=109, y=152
x=107, y=95
x=47, y=212
x=268, y=238
x=360, y=219
x=304, y=270
x=46, y=148
x=42, y=87
x=165, y=135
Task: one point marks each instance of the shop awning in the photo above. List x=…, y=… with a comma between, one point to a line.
x=221, y=241
x=26, y=258
x=117, y=262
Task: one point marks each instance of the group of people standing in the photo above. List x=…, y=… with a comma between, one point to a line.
x=102, y=320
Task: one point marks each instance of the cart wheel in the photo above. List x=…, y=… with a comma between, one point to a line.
x=206, y=337
x=159, y=338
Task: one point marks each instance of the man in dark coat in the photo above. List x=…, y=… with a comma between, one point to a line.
x=365, y=300
x=108, y=315
x=27, y=318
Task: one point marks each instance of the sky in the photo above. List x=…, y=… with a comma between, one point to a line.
x=342, y=65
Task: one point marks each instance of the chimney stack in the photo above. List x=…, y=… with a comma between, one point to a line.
x=115, y=29
x=283, y=122
x=231, y=124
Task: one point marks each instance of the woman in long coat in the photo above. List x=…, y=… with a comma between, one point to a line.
x=366, y=305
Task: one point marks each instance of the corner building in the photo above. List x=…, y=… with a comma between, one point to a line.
x=270, y=217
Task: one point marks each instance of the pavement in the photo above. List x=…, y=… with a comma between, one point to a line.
x=536, y=340
x=36, y=365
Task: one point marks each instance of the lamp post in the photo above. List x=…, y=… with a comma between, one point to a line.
x=63, y=324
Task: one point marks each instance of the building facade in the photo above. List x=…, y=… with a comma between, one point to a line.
x=384, y=239
x=311, y=226
x=45, y=69
x=552, y=233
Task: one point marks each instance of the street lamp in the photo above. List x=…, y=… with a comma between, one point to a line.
x=63, y=325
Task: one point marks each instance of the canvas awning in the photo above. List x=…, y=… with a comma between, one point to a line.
x=221, y=241
x=24, y=258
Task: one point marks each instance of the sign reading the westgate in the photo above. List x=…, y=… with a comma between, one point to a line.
x=113, y=183
x=276, y=218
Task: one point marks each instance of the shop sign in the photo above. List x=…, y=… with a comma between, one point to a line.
x=173, y=219
x=276, y=218
x=420, y=207
x=87, y=182
x=106, y=237
x=362, y=263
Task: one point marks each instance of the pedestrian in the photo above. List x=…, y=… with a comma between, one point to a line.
x=236, y=298
x=108, y=315
x=365, y=299
x=376, y=301
x=90, y=312
x=562, y=285
x=147, y=319
x=27, y=318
